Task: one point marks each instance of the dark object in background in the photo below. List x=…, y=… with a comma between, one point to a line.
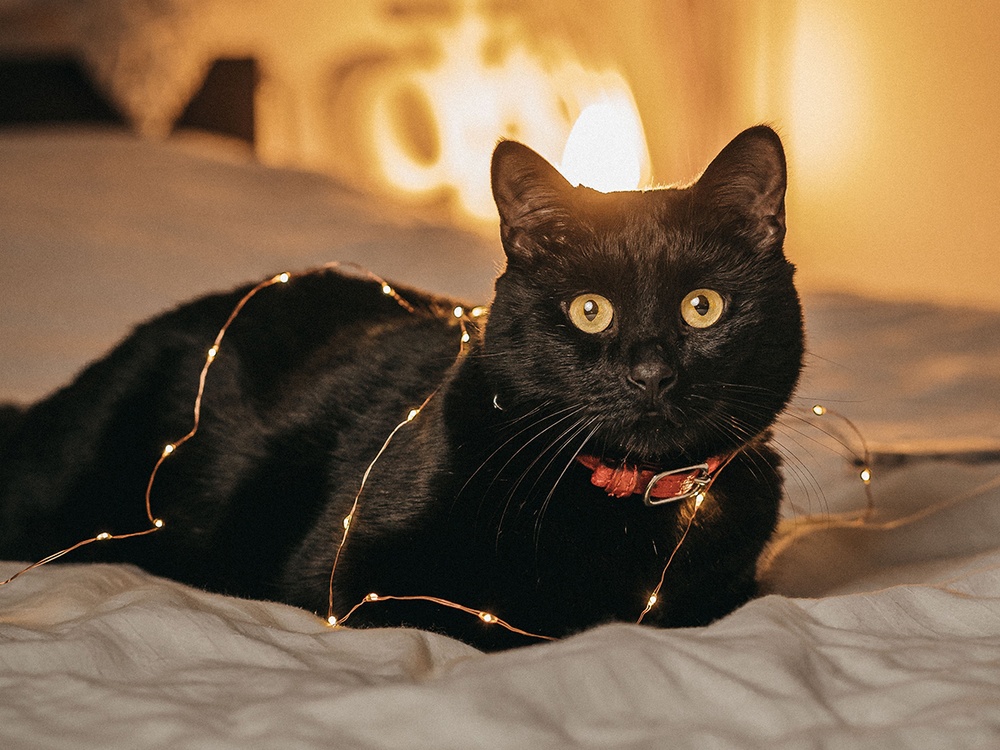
x=48, y=90
x=58, y=90
x=224, y=104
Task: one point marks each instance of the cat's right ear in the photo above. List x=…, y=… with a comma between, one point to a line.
x=532, y=198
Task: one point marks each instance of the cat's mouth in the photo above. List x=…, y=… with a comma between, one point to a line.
x=655, y=418
x=654, y=438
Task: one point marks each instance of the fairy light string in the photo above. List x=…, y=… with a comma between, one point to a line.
x=156, y=524
x=698, y=499
x=655, y=596
x=864, y=460
x=462, y=316
x=349, y=518
x=486, y=617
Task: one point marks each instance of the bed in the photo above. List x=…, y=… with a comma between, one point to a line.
x=878, y=628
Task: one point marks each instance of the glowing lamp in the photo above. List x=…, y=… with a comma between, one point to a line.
x=606, y=149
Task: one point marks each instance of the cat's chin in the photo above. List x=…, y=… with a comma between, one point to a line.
x=651, y=441
x=660, y=438
x=658, y=420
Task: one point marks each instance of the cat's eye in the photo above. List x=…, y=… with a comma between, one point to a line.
x=702, y=308
x=591, y=313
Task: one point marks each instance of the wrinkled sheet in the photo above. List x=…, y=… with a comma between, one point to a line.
x=879, y=631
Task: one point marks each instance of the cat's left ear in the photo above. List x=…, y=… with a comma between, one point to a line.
x=532, y=197
x=746, y=183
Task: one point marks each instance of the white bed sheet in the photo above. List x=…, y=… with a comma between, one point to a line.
x=879, y=633
x=107, y=656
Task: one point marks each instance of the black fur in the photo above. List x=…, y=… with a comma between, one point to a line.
x=480, y=505
x=10, y=418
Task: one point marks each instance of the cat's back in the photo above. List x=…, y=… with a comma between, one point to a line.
x=301, y=358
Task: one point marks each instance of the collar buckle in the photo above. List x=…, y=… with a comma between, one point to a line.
x=699, y=479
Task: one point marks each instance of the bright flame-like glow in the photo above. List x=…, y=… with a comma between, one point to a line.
x=434, y=127
x=606, y=150
x=828, y=90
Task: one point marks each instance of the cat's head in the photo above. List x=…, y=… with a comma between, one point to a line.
x=666, y=320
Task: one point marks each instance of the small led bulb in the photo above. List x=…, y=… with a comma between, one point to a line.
x=386, y=289
x=819, y=410
x=158, y=523
x=103, y=536
x=283, y=278
x=652, y=600
x=459, y=311
x=466, y=337
x=487, y=618
x=168, y=449
x=213, y=352
x=699, y=499
x=477, y=312
x=412, y=415
x=866, y=475
x=331, y=621
x=372, y=597
x=347, y=522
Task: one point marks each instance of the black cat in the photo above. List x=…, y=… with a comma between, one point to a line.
x=631, y=334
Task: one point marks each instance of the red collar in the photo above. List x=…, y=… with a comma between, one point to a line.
x=667, y=486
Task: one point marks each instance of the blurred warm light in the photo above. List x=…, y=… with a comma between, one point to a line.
x=827, y=89
x=435, y=127
x=606, y=148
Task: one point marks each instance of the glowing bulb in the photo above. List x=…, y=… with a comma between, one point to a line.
x=372, y=597
x=212, y=352
x=332, y=621
x=158, y=523
x=819, y=410
x=413, y=413
x=487, y=617
x=283, y=278
x=103, y=536
x=866, y=475
x=652, y=600
x=477, y=311
x=347, y=522
x=699, y=499
x=386, y=289
x=466, y=337
x=459, y=312
x=606, y=149
x=168, y=449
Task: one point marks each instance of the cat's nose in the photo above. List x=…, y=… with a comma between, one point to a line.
x=653, y=377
